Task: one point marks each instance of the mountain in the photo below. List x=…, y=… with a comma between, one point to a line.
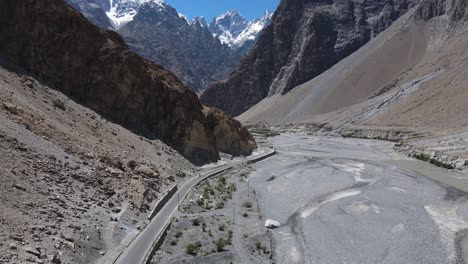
x=188, y=49
x=247, y=38
x=97, y=69
x=122, y=11
x=304, y=39
x=94, y=10
x=409, y=83
x=238, y=32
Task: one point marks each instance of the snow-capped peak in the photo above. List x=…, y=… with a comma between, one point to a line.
x=122, y=11
x=254, y=28
x=233, y=29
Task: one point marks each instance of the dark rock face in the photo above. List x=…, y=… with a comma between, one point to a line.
x=188, y=50
x=305, y=38
x=51, y=40
x=92, y=10
x=456, y=10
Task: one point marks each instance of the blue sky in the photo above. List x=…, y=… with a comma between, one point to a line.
x=211, y=8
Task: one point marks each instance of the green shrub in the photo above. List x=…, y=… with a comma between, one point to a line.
x=222, y=228
x=196, y=221
x=247, y=204
x=178, y=234
x=222, y=180
x=191, y=249
x=220, y=205
x=258, y=245
x=220, y=244
x=201, y=201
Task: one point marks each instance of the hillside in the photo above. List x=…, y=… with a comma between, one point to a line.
x=416, y=90
x=305, y=38
x=75, y=187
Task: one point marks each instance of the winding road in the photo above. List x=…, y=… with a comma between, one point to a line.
x=139, y=250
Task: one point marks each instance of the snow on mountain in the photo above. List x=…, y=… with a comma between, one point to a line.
x=233, y=29
x=228, y=26
x=201, y=20
x=122, y=11
x=251, y=32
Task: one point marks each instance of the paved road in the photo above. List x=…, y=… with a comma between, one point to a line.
x=358, y=201
x=137, y=251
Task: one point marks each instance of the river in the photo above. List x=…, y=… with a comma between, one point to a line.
x=359, y=201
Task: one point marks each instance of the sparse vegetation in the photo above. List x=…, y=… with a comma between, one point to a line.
x=247, y=204
x=191, y=249
x=427, y=158
x=201, y=201
x=178, y=234
x=260, y=247
x=222, y=228
x=263, y=132
x=196, y=221
x=220, y=205
x=220, y=244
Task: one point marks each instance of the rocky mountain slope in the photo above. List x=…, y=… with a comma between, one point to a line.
x=76, y=188
x=304, y=39
x=189, y=50
x=192, y=50
x=416, y=93
x=97, y=69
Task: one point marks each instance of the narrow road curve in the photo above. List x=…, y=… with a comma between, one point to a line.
x=139, y=249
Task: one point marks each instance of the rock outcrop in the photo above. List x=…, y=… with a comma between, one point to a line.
x=304, y=39
x=455, y=9
x=51, y=40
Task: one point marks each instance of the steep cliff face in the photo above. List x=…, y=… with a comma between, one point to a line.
x=305, y=38
x=455, y=10
x=95, y=67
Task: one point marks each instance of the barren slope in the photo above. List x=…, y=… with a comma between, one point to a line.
x=74, y=185
x=432, y=54
x=409, y=82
